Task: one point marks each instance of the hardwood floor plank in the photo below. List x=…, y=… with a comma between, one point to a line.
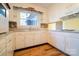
x=43, y=50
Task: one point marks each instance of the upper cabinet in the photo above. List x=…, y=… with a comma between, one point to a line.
x=74, y=9
x=58, y=11
x=71, y=13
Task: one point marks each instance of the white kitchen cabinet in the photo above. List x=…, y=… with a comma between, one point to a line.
x=34, y=38
x=39, y=37
x=43, y=36
x=2, y=47
x=51, y=40
x=58, y=40
x=3, y=52
x=13, y=37
x=65, y=41
x=27, y=39
x=6, y=45
x=9, y=49
x=72, y=42
x=10, y=44
x=19, y=40
x=24, y=39
x=29, y=36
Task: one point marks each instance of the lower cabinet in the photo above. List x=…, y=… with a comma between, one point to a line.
x=2, y=47
x=39, y=38
x=19, y=39
x=57, y=40
x=66, y=42
x=9, y=44
x=9, y=49
x=43, y=36
x=72, y=45
x=6, y=45
x=60, y=41
x=3, y=52
x=27, y=39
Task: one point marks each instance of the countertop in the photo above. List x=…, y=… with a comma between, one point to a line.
x=64, y=31
x=2, y=35
x=10, y=32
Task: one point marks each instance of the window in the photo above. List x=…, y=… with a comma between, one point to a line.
x=2, y=10
x=24, y=15
x=27, y=18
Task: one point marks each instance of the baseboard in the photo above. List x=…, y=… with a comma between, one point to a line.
x=29, y=47
x=59, y=50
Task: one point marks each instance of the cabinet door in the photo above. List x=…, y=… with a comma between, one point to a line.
x=43, y=35
x=9, y=44
x=37, y=38
x=9, y=49
x=2, y=47
x=13, y=37
x=34, y=38
x=29, y=36
x=3, y=52
x=52, y=40
x=20, y=40
x=59, y=40
x=72, y=46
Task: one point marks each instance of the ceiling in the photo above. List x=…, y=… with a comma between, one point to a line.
x=46, y=5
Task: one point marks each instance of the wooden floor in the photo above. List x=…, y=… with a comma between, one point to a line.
x=43, y=50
